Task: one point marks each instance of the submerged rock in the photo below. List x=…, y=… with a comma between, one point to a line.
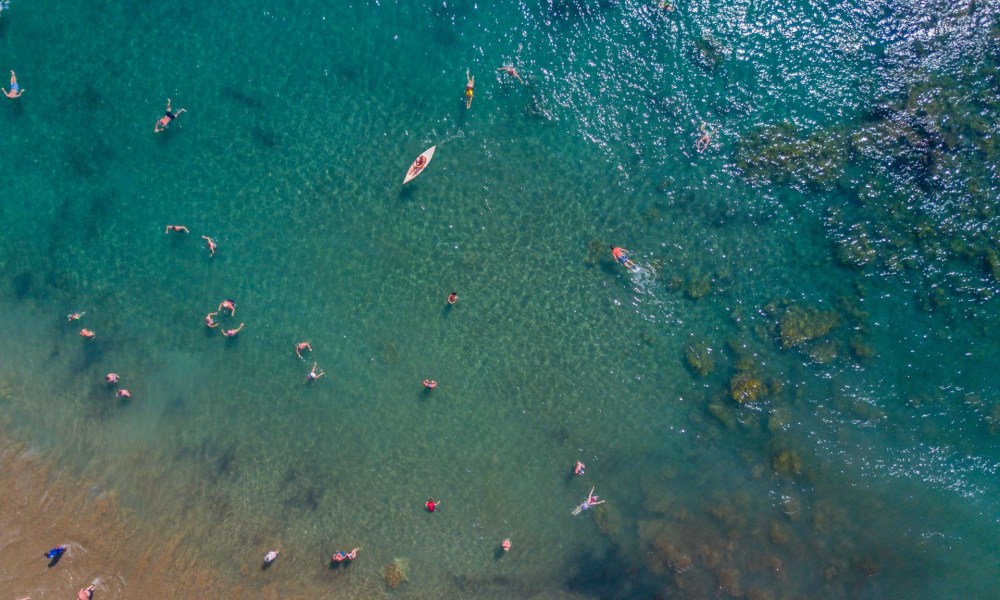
x=787, y=463
x=745, y=388
x=699, y=357
x=394, y=573
x=799, y=324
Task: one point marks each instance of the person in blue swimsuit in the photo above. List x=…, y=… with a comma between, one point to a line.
x=15, y=90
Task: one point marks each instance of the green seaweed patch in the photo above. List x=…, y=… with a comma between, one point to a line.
x=779, y=154
x=595, y=251
x=855, y=249
x=698, y=286
x=698, y=355
x=799, y=324
x=745, y=388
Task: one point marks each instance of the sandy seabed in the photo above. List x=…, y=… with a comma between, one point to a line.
x=42, y=506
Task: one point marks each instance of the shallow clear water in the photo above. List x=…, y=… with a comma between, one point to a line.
x=844, y=262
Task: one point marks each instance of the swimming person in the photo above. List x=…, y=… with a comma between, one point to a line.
x=211, y=245
x=233, y=332
x=313, y=375
x=75, y=316
x=86, y=333
x=210, y=321
x=111, y=378
x=300, y=347
x=229, y=305
x=270, y=556
x=621, y=255
x=431, y=505
x=430, y=384
x=470, y=83
x=55, y=552
x=353, y=554
x=705, y=140
x=86, y=593
x=591, y=501
x=15, y=90
x=341, y=556
x=177, y=228
x=505, y=545
x=452, y=297
x=168, y=116
x=578, y=468
x=510, y=71
x=123, y=393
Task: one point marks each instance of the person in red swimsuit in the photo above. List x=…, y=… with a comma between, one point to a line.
x=432, y=505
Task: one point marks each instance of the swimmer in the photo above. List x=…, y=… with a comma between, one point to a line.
x=505, y=545
x=313, y=375
x=111, y=378
x=15, y=90
x=211, y=245
x=270, y=556
x=590, y=502
x=338, y=557
x=621, y=255
x=86, y=593
x=233, y=332
x=210, y=321
x=430, y=384
x=75, y=316
x=705, y=140
x=470, y=83
x=578, y=468
x=86, y=333
x=177, y=228
x=431, y=505
x=353, y=554
x=452, y=297
x=123, y=394
x=666, y=6
x=510, y=71
x=300, y=347
x=168, y=116
x=229, y=305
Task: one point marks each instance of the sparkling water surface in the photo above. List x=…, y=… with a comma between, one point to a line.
x=831, y=259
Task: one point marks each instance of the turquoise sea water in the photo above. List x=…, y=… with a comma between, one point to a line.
x=833, y=253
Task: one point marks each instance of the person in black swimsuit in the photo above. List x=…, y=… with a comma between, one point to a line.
x=168, y=116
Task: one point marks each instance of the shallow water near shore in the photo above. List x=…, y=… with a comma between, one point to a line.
x=830, y=260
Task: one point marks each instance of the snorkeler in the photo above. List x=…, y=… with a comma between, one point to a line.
x=86, y=333
x=233, y=332
x=168, y=116
x=590, y=502
x=270, y=556
x=578, y=468
x=15, y=90
x=469, y=85
x=177, y=228
x=431, y=505
x=229, y=305
x=621, y=255
x=706, y=138
x=300, y=347
x=510, y=71
x=210, y=321
x=313, y=375
x=211, y=245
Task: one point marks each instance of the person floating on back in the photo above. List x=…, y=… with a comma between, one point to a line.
x=270, y=556
x=168, y=116
x=15, y=90
x=470, y=83
x=589, y=503
x=621, y=255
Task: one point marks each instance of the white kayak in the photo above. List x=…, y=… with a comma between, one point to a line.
x=419, y=164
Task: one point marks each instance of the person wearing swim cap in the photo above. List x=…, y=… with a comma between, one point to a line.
x=470, y=83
